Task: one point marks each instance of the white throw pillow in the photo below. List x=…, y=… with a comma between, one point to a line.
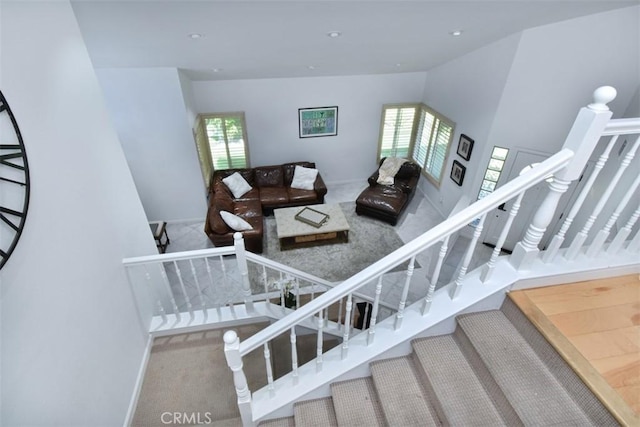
x=237, y=184
x=235, y=222
x=303, y=178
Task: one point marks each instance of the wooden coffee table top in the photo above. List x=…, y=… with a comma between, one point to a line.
x=288, y=226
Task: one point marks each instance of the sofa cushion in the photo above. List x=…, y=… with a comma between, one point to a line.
x=248, y=209
x=235, y=222
x=383, y=198
x=237, y=185
x=216, y=223
x=273, y=196
x=296, y=195
x=269, y=176
x=303, y=178
x=408, y=170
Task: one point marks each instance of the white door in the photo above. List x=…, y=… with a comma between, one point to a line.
x=532, y=199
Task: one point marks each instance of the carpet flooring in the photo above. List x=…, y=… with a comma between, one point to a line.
x=369, y=241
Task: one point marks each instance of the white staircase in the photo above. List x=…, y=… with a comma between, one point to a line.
x=605, y=244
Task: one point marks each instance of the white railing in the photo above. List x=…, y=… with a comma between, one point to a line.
x=196, y=288
x=565, y=167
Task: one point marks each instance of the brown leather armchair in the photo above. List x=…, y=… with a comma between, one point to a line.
x=388, y=202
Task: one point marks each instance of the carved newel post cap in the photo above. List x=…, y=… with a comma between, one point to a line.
x=237, y=235
x=230, y=337
x=602, y=96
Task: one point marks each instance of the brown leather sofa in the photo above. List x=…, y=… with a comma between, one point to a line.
x=387, y=202
x=270, y=189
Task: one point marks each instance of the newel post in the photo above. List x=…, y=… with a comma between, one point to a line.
x=582, y=140
x=241, y=258
x=234, y=361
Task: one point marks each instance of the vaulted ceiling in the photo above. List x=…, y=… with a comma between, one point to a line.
x=217, y=40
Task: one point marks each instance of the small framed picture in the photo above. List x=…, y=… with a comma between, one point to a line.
x=465, y=145
x=457, y=172
x=321, y=121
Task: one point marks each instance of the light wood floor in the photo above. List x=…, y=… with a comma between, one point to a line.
x=595, y=325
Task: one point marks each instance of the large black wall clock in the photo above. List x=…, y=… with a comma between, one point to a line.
x=14, y=182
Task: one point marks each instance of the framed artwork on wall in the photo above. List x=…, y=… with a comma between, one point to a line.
x=457, y=172
x=320, y=121
x=465, y=145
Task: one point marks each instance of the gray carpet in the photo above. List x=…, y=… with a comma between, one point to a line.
x=369, y=241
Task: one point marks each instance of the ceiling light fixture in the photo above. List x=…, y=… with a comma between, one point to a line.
x=334, y=34
x=194, y=35
x=311, y=67
x=456, y=33
x=216, y=70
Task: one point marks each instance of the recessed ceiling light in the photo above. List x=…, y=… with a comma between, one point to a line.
x=194, y=35
x=334, y=34
x=398, y=65
x=456, y=33
x=311, y=67
x=216, y=70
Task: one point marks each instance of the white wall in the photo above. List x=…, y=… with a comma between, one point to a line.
x=150, y=113
x=71, y=339
x=271, y=112
x=468, y=90
x=525, y=90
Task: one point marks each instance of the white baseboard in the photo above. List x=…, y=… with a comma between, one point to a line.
x=138, y=385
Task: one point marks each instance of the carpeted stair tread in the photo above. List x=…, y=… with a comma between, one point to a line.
x=279, y=422
x=356, y=403
x=456, y=390
x=535, y=394
x=316, y=412
x=401, y=397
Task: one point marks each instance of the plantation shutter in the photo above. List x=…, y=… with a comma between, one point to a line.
x=397, y=131
x=438, y=150
x=202, y=148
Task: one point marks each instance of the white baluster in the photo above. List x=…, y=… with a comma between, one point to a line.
x=234, y=361
x=580, y=238
x=200, y=295
x=296, y=289
x=487, y=270
x=623, y=233
x=227, y=283
x=347, y=326
x=241, y=258
x=319, y=342
x=603, y=234
x=527, y=250
x=558, y=239
x=374, y=312
x=634, y=245
x=340, y=313
x=184, y=290
x=153, y=292
x=214, y=294
x=426, y=306
x=265, y=280
x=294, y=356
x=467, y=258
x=267, y=361
x=167, y=285
x=405, y=292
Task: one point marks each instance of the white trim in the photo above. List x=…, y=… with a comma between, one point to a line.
x=139, y=380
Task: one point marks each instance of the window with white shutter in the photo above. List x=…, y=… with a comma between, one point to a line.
x=221, y=141
x=417, y=131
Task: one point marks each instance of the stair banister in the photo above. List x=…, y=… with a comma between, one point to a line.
x=435, y=234
x=582, y=139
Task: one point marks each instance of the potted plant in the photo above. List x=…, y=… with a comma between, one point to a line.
x=286, y=286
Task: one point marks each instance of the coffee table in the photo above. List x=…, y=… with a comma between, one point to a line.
x=293, y=233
